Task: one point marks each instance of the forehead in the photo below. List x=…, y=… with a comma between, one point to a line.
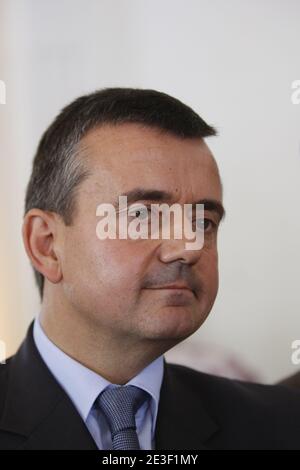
x=124, y=156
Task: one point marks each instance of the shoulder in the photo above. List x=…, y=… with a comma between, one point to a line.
x=4, y=372
x=213, y=386
x=231, y=400
x=4, y=379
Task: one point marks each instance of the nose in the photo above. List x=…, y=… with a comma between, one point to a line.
x=175, y=250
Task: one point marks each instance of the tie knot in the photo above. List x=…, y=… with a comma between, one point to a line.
x=119, y=405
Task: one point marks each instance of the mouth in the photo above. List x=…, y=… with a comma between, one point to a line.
x=176, y=288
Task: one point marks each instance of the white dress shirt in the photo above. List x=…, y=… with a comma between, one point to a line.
x=83, y=386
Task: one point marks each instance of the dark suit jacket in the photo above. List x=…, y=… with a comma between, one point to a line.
x=196, y=411
x=293, y=381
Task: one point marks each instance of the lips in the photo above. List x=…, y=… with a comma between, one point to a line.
x=175, y=286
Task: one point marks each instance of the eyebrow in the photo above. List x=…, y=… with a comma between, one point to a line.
x=140, y=194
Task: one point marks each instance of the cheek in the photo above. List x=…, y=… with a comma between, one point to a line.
x=116, y=264
x=208, y=268
x=110, y=264
x=81, y=261
x=101, y=277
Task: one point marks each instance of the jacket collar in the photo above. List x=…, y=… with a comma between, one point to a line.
x=182, y=423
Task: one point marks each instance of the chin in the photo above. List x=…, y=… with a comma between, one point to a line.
x=174, y=323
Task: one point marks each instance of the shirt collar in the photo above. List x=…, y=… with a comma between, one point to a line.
x=83, y=385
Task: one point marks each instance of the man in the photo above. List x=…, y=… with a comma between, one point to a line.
x=91, y=372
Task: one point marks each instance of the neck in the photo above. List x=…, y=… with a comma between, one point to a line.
x=117, y=358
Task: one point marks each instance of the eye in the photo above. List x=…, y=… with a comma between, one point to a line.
x=205, y=224
x=139, y=212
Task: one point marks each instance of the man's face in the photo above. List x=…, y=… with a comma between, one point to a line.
x=117, y=283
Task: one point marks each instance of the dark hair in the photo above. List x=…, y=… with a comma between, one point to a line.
x=57, y=172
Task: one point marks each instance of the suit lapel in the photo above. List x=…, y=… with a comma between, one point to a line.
x=182, y=422
x=63, y=429
x=37, y=408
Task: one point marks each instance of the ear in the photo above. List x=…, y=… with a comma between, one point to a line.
x=39, y=236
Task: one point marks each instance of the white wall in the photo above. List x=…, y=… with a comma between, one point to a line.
x=232, y=61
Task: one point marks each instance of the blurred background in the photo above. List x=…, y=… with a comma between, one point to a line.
x=234, y=62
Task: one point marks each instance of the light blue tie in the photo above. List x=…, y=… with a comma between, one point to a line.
x=119, y=406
